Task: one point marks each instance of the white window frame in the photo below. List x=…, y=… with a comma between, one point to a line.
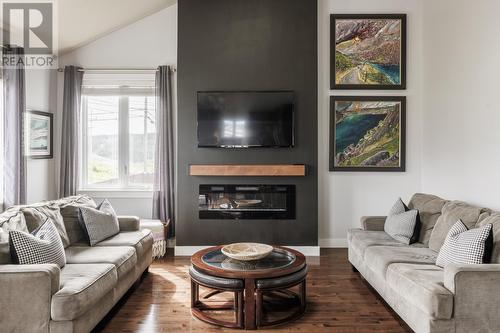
x=123, y=150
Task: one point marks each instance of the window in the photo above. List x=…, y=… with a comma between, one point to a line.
x=119, y=132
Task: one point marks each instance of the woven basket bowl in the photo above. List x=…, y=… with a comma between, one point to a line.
x=247, y=251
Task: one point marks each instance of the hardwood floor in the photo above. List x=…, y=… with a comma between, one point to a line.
x=338, y=301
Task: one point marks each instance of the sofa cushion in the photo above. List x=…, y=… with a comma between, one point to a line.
x=38, y=214
x=11, y=219
x=493, y=219
x=141, y=240
x=99, y=223
x=429, y=209
x=82, y=286
x=402, y=224
x=70, y=209
x=421, y=286
x=378, y=258
x=464, y=246
x=43, y=246
x=360, y=240
x=123, y=257
x=452, y=212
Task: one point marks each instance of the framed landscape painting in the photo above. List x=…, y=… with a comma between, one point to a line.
x=39, y=134
x=367, y=133
x=368, y=51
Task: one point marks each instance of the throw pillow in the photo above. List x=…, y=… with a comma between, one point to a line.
x=43, y=246
x=99, y=223
x=70, y=211
x=402, y=223
x=464, y=246
x=36, y=215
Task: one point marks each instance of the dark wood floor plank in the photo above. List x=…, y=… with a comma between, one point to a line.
x=338, y=301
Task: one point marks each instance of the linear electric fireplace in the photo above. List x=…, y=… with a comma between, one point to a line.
x=246, y=202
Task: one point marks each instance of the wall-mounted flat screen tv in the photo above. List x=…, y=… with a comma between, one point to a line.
x=245, y=119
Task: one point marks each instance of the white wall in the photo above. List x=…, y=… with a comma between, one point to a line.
x=147, y=43
x=461, y=158
x=346, y=196
x=41, y=96
x=452, y=111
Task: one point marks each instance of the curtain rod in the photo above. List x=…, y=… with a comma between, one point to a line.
x=174, y=69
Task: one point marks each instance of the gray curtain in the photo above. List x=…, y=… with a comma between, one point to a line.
x=163, y=196
x=14, y=191
x=70, y=131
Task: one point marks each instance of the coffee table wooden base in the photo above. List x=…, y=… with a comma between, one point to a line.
x=249, y=305
x=257, y=292
x=281, y=298
x=201, y=310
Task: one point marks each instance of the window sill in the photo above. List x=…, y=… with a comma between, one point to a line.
x=107, y=193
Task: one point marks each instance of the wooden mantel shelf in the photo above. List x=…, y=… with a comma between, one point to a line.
x=274, y=170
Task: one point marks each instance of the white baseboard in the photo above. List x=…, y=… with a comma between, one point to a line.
x=333, y=242
x=312, y=251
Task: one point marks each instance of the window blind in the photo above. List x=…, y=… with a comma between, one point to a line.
x=118, y=84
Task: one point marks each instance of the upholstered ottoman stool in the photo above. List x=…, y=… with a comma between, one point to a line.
x=158, y=228
x=218, y=285
x=278, y=289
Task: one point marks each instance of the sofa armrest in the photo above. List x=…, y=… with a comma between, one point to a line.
x=26, y=292
x=129, y=223
x=476, y=295
x=458, y=278
x=373, y=223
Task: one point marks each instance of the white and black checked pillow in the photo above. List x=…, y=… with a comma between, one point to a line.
x=464, y=246
x=402, y=224
x=42, y=246
x=100, y=223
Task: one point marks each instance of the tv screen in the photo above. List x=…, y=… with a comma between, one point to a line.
x=245, y=119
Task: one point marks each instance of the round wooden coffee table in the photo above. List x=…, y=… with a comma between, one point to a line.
x=284, y=268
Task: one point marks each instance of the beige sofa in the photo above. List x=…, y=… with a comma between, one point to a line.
x=44, y=298
x=458, y=298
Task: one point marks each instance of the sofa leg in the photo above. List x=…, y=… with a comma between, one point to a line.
x=354, y=269
x=146, y=272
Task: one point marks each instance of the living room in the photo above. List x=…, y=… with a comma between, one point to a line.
x=280, y=165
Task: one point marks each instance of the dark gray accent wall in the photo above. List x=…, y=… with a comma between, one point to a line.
x=247, y=45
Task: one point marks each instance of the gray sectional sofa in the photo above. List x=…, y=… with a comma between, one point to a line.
x=458, y=298
x=45, y=298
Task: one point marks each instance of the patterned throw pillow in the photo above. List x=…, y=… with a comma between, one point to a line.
x=100, y=223
x=43, y=246
x=464, y=246
x=402, y=223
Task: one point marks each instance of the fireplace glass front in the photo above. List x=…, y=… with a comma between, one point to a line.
x=246, y=202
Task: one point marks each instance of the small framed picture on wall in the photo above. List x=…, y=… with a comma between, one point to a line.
x=367, y=133
x=368, y=51
x=38, y=139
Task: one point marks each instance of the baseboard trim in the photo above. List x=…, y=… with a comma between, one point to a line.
x=333, y=242
x=312, y=251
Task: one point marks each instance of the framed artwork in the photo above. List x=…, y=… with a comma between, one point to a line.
x=368, y=51
x=367, y=133
x=39, y=134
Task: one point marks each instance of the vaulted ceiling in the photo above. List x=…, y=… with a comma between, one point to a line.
x=83, y=21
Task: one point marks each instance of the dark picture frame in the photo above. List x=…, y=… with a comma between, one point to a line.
x=402, y=133
x=333, y=54
x=39, y=135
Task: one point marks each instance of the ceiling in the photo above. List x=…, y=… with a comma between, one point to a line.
x=83, y=21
